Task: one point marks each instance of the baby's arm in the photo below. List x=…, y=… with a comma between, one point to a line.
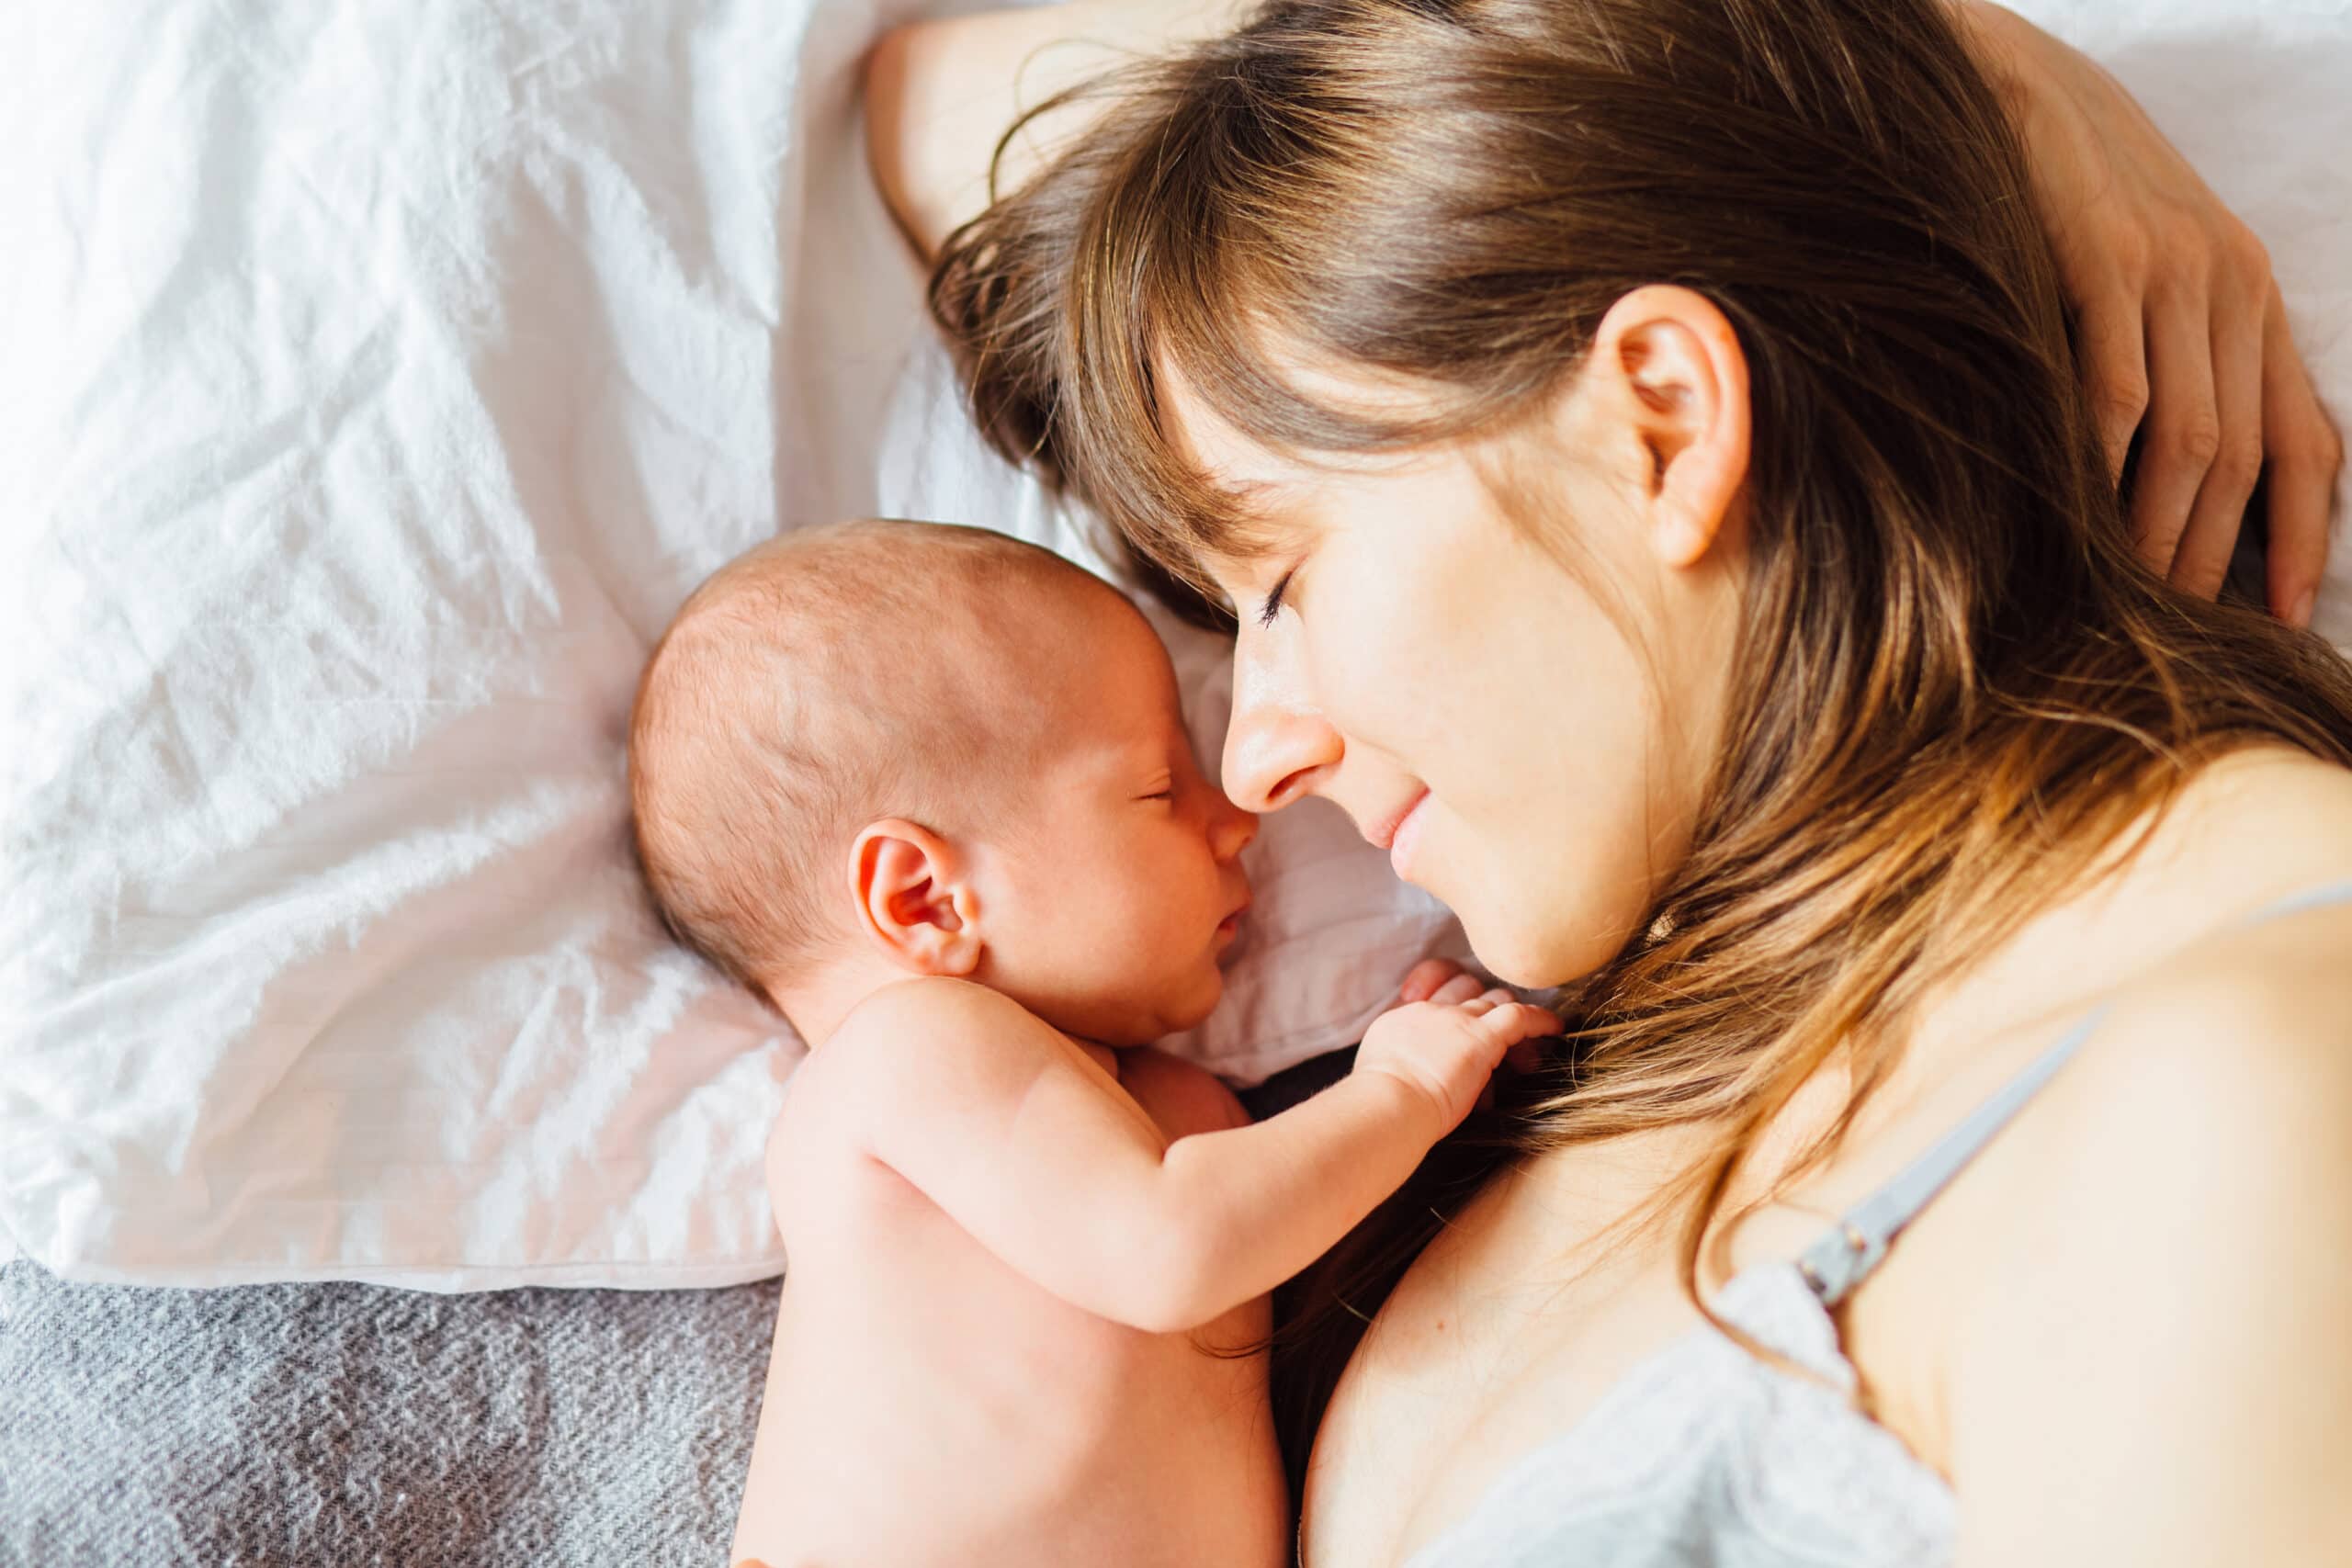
x=1051, y=1167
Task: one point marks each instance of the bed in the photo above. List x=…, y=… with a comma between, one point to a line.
x=376, y=1185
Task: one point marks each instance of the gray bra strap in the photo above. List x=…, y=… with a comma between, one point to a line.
x=2296, y=903
x=1844, y=1258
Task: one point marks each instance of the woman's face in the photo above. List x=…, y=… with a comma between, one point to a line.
x=1529, y=740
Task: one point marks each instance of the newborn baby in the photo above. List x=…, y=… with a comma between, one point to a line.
x=928, y=790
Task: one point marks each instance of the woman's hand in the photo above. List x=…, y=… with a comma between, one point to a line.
x=2183, y=336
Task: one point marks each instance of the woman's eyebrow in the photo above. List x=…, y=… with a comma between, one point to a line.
x=1280, y=509
x=1262, y=497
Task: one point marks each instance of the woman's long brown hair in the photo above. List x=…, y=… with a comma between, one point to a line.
x=1956, y=684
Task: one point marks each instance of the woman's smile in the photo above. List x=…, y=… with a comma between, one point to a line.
x=1406, y=834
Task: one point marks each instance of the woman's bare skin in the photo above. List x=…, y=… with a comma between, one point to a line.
x=2146, y=1161
x=2147, y=1223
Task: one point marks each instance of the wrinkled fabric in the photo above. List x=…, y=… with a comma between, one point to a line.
x=1705, y=1456
x=378, y=380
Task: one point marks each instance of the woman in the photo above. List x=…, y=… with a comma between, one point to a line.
x=1638, y=440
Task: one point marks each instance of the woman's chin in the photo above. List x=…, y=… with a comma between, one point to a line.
x=1521, y=952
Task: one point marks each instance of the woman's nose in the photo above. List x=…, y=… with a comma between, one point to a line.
x=1277, y=747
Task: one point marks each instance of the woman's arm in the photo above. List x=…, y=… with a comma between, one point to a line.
x=940, y=95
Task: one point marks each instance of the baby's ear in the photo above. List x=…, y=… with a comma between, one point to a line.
x=912, y=898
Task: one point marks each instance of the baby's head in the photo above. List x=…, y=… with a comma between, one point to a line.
x=880, y=749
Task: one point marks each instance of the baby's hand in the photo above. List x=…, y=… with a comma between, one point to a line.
x=1423, y=979
x=1448, y=1045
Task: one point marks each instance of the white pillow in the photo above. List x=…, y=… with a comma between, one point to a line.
x=382, y=378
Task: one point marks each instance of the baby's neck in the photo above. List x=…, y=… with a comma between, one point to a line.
x=816, y=1008
x=816, y=1005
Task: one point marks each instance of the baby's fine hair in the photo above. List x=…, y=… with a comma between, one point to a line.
x=827, y=679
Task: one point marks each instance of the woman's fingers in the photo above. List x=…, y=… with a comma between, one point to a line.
x=2184, y=423
x=2202, y=559
x=2304, y=453
x=2180, y=333
x=2115, y=363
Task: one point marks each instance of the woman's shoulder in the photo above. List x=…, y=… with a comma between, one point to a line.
x=2168, y=1243
x=2202, y=1123
x=2218, y=957
x=2217, y=1044
x=2265, y=837
x=2208, y=1052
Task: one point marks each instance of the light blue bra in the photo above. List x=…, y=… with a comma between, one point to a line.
x=1704, y=1455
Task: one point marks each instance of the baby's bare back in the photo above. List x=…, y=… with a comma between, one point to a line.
x=927, y=1406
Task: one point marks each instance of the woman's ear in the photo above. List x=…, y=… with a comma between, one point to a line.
x=913, y=898
x=1666, y=364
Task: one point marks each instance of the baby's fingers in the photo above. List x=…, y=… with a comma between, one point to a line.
x=1508, y=1020
x=1462, y=990
x=1421, y=981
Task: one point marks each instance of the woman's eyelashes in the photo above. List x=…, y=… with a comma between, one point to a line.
x=1273, y=603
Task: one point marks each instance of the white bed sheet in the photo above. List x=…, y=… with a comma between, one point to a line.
x=379, y=378
x=375, y=381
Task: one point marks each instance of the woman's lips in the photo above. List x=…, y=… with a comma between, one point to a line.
x=1381, y=837
x=1405, y=835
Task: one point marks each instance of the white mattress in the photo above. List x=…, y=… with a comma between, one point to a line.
x=377, y=379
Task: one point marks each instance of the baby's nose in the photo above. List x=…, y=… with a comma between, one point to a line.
x=1231, y=829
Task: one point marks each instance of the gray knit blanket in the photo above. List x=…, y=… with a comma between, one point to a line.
x=333, y=1425
x=327, y=1424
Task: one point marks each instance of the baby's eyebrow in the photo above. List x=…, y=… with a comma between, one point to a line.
x=1125, y=760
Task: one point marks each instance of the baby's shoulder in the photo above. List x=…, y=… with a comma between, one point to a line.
x=913, y=1043
x=931, y=1039
x=929, y=1015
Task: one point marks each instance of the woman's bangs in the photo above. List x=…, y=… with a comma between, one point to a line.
x=1183, y=302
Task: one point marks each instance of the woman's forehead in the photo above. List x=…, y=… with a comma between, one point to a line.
x=1264, y=475
x=1253, y=499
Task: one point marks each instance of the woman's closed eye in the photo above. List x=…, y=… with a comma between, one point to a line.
x=1273, y=603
